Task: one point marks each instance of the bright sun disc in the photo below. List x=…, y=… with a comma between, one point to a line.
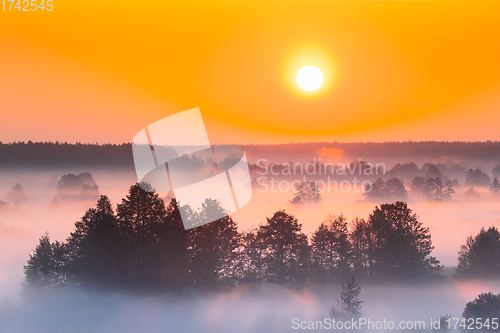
x=309, y=78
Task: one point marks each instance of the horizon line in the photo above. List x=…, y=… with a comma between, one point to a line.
x=248, y=144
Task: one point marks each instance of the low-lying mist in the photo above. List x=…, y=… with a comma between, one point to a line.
x=243, y=309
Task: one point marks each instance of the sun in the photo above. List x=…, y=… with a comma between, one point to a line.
x=309, y=78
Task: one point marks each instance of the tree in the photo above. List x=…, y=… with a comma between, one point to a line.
x=496, y=171
x=172, y=248
x=68, y=187
x=479, y=257
x=77, y=187
x=471, y=193
x=16, y=195
x=402, y=245
x=392, y=189
x=448, y=189
x=433, y=189
x=46, y=269
x=89, y=189
x=477, y=178
x=331, y=249
x=213, y=247
x=93, y=247
x=495, y=186
x=418, y=185
x=286, y=249
x=139, y=216
x=306, y=192
x=484, y=308
x=405, y=170
x=151, y=241
x=349, y=304
x=252, y=256
x=89, y=192
x=375, y=190
x=432, y=171
x=361, y=239
x=395, y=189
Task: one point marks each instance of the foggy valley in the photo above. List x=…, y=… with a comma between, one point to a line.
x=250, y=307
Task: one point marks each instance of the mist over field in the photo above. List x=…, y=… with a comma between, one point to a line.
x=246, y=308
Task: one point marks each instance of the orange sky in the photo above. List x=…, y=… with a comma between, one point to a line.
x=395, y=70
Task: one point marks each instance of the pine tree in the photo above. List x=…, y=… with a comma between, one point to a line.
x=144, y=241
x=46, y=269
x=92, y=246
x=349, y=304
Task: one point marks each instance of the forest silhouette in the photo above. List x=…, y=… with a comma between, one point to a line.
x=142, y=247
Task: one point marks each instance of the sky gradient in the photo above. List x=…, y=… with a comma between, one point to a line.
x=394, y=71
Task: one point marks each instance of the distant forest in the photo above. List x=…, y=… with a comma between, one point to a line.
x=51, y=155
x=488, y=150
x=55, y=155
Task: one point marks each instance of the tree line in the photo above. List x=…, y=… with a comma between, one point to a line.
x=59, y=155
x=142, y=246
x=488, y=150
x=431, y=189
